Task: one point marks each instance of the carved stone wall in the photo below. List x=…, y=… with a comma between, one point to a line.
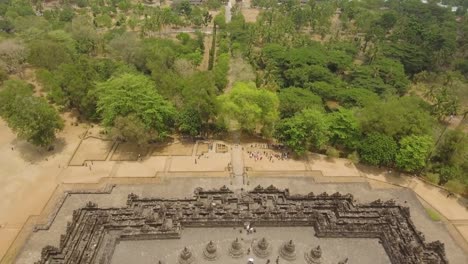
x=93, y=233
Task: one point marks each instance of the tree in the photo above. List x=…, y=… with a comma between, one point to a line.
x=12, y=55
x=221, y=70
x=189, y=122
x=359, y=97
x=451, y=157
x=250, y=107
x=444, y=101
x=413, y=152
x=128, y=47
x=378, y=149
x=397, y=117
x=130, y=128
x=344, y=128
x=31, y=117
x=293, y=100
x=131, y=94
x=199, y=102
x=48, y=54
x=84, y=34
x=76, y=80
x=308, y=128
x=387, y=21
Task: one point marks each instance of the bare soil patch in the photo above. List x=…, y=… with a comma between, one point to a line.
x=202, y=148
x=91, y=149
x=174, y=149
x=129, y=152
x=250, y=14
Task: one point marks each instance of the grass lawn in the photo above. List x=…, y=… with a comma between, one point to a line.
x=433, y=214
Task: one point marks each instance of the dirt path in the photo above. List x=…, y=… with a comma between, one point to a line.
x=207, y=41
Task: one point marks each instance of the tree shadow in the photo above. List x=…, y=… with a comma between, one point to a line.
x=462, y=201
x=390, y=175
x=30, y=153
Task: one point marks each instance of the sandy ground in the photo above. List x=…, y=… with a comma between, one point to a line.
x=128, y=151
x=250, y=14
x=207, y=162
x=28, y=176
x=202, y=148
x=175, y=149
x=332, y=166
x=91, y=149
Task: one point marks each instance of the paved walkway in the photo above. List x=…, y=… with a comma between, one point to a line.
x=453, y=209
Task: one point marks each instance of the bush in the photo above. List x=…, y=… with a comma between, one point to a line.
x=3, y=75
x=332, y=152
x=455, y=186
x=354, y=157
x=221, y=70
x=378, y=149
x=432, y=177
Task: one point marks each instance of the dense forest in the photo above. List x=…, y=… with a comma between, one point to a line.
x=378, y=82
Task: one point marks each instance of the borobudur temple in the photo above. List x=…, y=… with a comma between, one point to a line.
x=93, y=233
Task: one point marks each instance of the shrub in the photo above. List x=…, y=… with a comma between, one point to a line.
x=455, y=186
x=332, y=152
x=432, y=177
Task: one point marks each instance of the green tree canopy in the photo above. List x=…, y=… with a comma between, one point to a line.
x=413, y=152
x=130, y=128
x=378, y=149
x=453, y=149
x=397, y=117
x=199, y=103
x=293, y=100
x=31, y=117
x=344, y=128
x=49, y=54
x=309, y=128
x=134, y=94
x=252, y=108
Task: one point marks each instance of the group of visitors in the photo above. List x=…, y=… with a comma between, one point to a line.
x=251, y=261
x=271, y=156
x=249, y=228
x=199, y=156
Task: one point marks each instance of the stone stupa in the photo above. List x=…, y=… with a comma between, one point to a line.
x=211, y=251
x=288, y=250
x=186, y=257
x=261, y=248
x=236, y=250
x=314, y=256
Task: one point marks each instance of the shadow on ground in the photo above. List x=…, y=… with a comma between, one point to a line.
x=30, y=153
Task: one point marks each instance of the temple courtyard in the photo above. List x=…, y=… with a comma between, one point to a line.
x=357, y=250
x=40, y=190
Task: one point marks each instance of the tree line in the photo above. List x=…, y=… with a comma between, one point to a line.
x=374, y=81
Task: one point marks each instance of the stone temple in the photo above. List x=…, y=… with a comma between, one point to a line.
x=165, y=223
